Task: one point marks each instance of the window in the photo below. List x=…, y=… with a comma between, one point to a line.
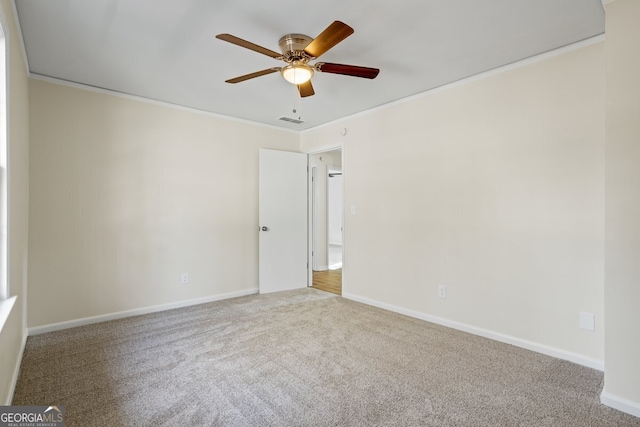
x=4, y=284
x=6, y=303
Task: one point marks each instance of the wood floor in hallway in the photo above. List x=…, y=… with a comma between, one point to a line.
x=328, y=281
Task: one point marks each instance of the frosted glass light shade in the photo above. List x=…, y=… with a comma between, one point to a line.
x=297, y=74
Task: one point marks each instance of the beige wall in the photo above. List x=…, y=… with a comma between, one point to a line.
x=622, y=250
x=495, y=189
x=127, y=195
x=14, y=331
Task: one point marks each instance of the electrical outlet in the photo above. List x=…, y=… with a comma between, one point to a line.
x=184, y=279
x=442, y=291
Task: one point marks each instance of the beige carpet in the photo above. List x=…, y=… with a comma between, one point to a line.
x=301, y=358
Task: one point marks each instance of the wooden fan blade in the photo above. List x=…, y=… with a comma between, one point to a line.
x=347, y=70
x=248, y=45
x=253, y=75
x=306, y=89
x=330, y=37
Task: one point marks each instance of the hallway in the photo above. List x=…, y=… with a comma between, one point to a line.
x=328, y=281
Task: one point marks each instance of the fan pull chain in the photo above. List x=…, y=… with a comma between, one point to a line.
x=299, y=99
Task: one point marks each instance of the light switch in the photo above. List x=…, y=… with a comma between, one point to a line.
x=587, y=321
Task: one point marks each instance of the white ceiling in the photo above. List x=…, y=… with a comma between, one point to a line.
x=166, y=50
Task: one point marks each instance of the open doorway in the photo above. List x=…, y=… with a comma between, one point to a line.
x=327, y=216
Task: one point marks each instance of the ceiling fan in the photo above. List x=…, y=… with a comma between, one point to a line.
x=297, y=51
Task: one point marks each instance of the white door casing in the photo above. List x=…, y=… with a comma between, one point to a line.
x=283, y=221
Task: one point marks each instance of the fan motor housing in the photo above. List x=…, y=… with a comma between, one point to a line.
x=292, y=47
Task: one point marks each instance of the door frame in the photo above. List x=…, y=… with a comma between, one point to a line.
x=333, y=170
x=310, y=210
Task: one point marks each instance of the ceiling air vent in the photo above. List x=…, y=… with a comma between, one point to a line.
x=291, y=120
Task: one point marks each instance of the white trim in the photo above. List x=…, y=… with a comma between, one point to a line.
x=330, y=146
x=310, y=206
x=19, y=31
x=620, y=403
x=16, y=370
x=524, y=62
x=151, y=101
x=137, y=312
x=496, y=336
x=312, y=202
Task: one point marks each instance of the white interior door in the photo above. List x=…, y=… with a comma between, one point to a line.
x=283, y=221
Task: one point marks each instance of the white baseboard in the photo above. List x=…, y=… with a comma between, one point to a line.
x=16, y=370
x=321, y=268
x=496, y=336
x=620, y=403
x=137, y=311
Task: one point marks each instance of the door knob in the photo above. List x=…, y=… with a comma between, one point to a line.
x=265, y=229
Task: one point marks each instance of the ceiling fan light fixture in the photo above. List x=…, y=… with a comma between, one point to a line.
x=297, y=74
x=297, y=51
